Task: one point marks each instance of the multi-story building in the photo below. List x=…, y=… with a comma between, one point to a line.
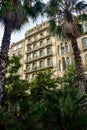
x=18, y=50
x=41, y=51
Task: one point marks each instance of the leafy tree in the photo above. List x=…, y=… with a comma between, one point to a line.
x=44, y=106
x=53, y=108
x=65, y=20
x=13, y=14
x=15, y=98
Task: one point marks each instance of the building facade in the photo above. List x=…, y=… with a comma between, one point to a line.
x=18, y=50
x=42, y=51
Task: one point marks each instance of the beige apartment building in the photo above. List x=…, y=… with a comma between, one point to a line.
x=41, y=51
x=18, y=50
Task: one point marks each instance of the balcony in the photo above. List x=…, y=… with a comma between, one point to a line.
x=28, y=50
x=40, y=47
x=29, y=42
x=27, y=70
x=32, y=50
x=34, y=67
x=50, y=65
x=44, y=55
x=41, y=56
x=41, y=37
x=48, y=44
x=37, y=68
x=49, y=53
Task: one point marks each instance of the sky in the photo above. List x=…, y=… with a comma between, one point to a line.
x=18, y=35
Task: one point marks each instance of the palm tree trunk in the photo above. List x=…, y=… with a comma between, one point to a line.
x=4, y=55
x=77, y=57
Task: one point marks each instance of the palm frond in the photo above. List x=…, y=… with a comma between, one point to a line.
x=80, y=28
x=82, y=100
x=81, y=5
x=59, y=32
x=50, y=10
x=39, y=7
x=52, y=26
x=33, y=10
x=83, y=17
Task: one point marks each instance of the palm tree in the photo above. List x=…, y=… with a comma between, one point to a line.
x=13, y=14
x=65, y=20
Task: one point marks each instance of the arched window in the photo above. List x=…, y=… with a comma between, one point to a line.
x=41, y=43
x=48, y=41
x=33, y=76
x=59, y=65
x=63, y=63
x=41, y=53
x=62, y=48
x=34, y=55
x=28, y=48
x=34, y=46
x=66, y=48
x=28, y=57
x=34, y=66
x=67, y=61
x=49, y=62
x=48, y=50
x=41, y=65
x=58, y=51
x=27, y=77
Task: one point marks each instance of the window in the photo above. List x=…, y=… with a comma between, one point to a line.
x=34, y=66
x=63, y=63
x=58, y=50
x=19, y=53
x=28, y=57
x=48, y=51
x=27, y=67
x=33, y=76
x=84, y=43
x=48, y=41
x=41, y=64
x=59, y=65
x=41, y=43
x=67, y=61
x=27, y=77
x=49, y=62
x=34, y=46
x=28, y=48
x=34, y=55
x=62, y=48
x=41, y=53
x=66, y=48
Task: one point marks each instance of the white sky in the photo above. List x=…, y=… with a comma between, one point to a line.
x=18, y=35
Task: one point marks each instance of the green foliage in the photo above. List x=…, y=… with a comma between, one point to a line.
x=20, y=11
x=45, y=106
x=61, y=11
x=70, y=76
x=15, y=98
x=55, y=108
x=13, y=65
